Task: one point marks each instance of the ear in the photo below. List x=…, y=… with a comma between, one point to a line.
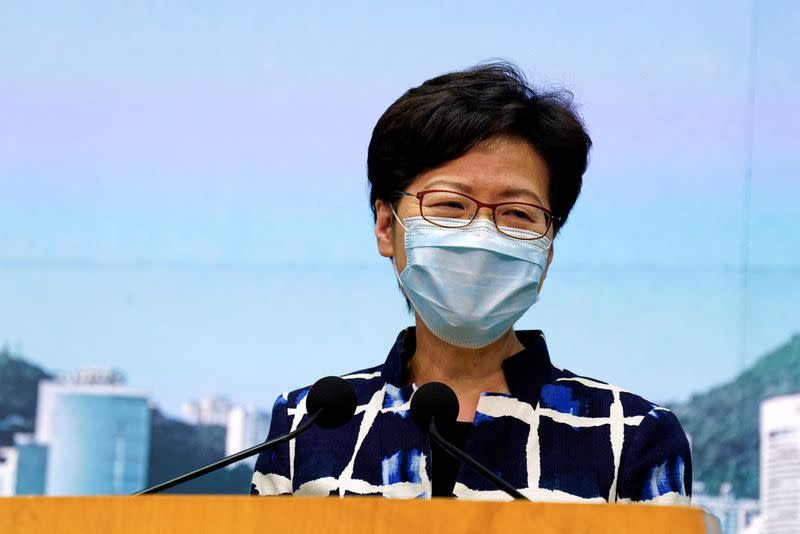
x=547, y=266
x=384, y=228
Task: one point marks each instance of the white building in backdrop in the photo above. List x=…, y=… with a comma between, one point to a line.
x=206, y=411
x=780, y=464
x=246, y=427
x=97, y=433
x=23, y=467
x=735, y=515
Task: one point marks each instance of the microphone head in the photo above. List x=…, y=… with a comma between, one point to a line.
x=434, y=399
x=335, y=398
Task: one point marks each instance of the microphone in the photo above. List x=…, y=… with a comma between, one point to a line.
x=331, y=402
x=434, y=403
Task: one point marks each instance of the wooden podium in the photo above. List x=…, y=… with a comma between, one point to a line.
x=245, y=515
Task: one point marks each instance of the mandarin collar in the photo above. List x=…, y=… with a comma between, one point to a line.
x=525, y=372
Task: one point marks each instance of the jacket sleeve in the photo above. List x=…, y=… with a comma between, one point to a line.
x=656, y=463
x=272, y=474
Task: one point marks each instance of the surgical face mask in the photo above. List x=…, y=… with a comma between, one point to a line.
x=471, y=284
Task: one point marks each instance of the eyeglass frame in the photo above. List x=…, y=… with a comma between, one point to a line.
x=419, y=195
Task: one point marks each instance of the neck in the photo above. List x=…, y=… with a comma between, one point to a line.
x=469, y=372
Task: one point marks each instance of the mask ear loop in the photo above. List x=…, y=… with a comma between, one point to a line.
x=397, y=217
x=394, y=265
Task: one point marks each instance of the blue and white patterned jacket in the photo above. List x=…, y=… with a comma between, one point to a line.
x=556, y=437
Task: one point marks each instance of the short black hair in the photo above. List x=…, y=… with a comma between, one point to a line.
x=448, y=115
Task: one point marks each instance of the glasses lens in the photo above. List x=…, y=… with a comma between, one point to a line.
x=448, y=209
x=511, y=217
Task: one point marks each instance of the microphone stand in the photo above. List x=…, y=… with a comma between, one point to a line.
x=457, y=453
x=232, y=458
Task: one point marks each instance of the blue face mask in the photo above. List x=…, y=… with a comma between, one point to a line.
x=470, y=285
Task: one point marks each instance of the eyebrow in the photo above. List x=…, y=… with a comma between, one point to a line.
x=509, y=192
x=465, y=188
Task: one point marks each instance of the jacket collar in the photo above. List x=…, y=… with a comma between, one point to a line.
x=525, y=371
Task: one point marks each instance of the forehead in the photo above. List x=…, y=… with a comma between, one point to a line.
x=493, y=171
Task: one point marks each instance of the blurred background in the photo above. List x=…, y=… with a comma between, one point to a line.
x=185, y=230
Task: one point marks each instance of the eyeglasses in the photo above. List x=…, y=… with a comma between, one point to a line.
x=457, y=210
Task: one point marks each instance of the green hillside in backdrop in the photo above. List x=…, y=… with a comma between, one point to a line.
x=723, y=425
x=18, y=391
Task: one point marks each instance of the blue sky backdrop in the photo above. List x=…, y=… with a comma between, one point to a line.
x=183, y=186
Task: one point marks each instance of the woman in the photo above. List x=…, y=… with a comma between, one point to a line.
x=472, y=175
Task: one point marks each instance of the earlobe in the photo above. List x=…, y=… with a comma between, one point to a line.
x=384, y=230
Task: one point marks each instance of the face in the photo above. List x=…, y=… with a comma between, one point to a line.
x=501, y=169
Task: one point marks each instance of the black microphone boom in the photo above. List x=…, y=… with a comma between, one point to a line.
x=434, y=402
x=233, y=458
x=330, y=403
x=455, y=452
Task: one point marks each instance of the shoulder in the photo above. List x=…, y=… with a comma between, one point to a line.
x=567, y=390
x=652, y=454
x=646, y=430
